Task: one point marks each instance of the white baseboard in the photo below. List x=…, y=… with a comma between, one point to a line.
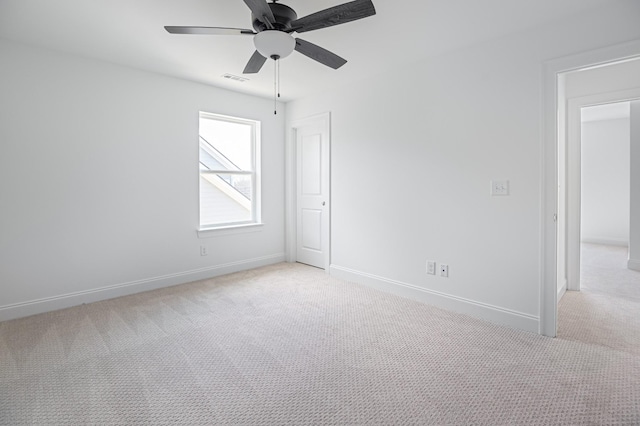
x=562, y=289
x=62, y=301
x=461, y=305
x=605, y=241
x=633, y=264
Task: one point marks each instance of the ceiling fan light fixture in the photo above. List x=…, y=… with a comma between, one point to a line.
x=274, y=43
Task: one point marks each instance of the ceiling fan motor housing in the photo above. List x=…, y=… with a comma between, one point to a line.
x=283, y=15
x=274, y=44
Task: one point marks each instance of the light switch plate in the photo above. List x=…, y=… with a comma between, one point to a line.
x=499, y=187
x=431, y=267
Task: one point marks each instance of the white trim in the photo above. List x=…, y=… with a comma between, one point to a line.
x=606, y=241
x=562, y=290
x=290, y=219
x=48, y=304
x=226, y=172
x=223, y=117
x=549, y=203
x=255, y=204
x=229, y=230
x=573, y=190
x=633, y=264
x=491, y=313
x=549, y=169
x=291, y=188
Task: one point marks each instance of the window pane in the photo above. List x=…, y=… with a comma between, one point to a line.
x=225, y=198
x=226, y=145
x=211, y=160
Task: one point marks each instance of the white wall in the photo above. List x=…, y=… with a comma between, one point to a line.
x=634, y=243
x=99, y=181
x=412, y=158
x=605, y=169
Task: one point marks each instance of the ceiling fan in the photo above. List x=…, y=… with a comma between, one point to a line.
x=273, y=24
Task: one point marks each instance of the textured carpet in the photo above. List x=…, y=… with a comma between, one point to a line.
x=606, y=311
x=289, y=345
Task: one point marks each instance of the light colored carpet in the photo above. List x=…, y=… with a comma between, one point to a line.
x=289, y=345
x=606, y=311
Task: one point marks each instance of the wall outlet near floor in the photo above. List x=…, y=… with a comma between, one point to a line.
x=431, y=267
x=203, y=251
x=444, y=270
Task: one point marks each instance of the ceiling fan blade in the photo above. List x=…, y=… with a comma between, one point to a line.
x=319, y=54
x=261, y=10
x=209, y=30
x=255, y=63
x=336, y=15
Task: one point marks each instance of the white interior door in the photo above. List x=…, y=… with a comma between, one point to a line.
x=312, y=191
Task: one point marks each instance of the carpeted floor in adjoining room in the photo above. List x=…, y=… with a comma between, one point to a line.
x=606, y=312
x=289, y=345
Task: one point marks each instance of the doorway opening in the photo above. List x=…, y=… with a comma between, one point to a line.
x=605, y=175
x=594, y=202
x=558, y=232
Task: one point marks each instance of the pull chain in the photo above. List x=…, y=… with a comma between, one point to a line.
x=275, y=84
x=278, y=63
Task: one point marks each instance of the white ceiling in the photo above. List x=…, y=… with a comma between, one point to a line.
x=130, y=32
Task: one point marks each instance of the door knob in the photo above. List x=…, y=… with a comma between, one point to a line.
x=323, y=203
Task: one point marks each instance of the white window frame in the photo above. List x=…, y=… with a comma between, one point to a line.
x=207, y=230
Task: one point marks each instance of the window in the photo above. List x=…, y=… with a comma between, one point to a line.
x=229, y=171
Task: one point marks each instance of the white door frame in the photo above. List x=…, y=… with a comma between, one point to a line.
x=574, y=176
x=291, y=189
x=549, y=169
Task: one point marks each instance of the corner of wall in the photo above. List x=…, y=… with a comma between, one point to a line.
x=494, y=314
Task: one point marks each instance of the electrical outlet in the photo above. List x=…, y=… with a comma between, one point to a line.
x=431, y=267
x=203, y=251
x=444, y=270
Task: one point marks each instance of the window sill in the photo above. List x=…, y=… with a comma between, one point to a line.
x=229, y=230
